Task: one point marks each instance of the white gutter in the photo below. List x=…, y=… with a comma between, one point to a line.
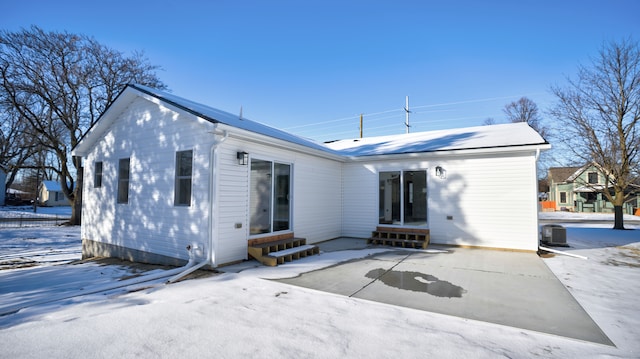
x=482, y=151
x=213, y=186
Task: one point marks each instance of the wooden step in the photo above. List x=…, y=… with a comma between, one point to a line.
x=280, y=251
x=404, y=237
x=292, y=254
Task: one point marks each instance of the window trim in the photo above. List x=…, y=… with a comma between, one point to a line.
x=566, y=198
x=180, y=178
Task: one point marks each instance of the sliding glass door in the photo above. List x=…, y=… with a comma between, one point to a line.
x=270, y=208
x=403, y=198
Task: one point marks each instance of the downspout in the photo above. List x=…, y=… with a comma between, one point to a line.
x=213, y=185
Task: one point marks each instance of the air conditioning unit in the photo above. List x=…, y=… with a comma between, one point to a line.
x=554, y=234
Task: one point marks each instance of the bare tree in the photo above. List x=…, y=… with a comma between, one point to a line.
x=17, y=145
x=525, y=110
x=59, y=84
x=599, y=119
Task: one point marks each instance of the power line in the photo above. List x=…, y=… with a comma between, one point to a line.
x=402, y=110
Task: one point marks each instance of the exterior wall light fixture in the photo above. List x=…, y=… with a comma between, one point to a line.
x=441, y=172
x=243, y=158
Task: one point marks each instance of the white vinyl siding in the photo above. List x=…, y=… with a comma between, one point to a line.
x=150, y=136
x=315, y=196
x=360, y=202
x=490, y=200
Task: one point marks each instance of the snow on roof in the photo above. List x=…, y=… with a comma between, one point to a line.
x=52, y=186
x=504, y=135
x=219, y=116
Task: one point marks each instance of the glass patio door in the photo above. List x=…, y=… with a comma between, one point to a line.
x=403, y=198
x=270, y=208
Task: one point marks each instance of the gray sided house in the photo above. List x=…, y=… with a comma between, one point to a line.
x=162, y=173
x=580, y=189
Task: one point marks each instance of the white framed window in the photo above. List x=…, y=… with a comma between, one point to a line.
x=563, y=197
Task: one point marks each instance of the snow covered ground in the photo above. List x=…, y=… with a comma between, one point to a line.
x=242, y=314
x=27, y=211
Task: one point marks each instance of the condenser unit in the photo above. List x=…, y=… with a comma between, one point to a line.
x=554, y=234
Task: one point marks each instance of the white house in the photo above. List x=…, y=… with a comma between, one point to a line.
x=50, y=194
x=162, y=173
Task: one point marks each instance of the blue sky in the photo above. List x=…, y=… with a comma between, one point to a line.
x=311, y=67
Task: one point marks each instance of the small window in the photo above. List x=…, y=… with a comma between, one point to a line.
x=593, y=177
x=123, y=181
x=184, y=170
x=563, y=197
x=97, y=175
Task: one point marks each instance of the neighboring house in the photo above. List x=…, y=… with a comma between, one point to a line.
x=162, y=173
x=50, y=194
x=3, y=190
x=580, y=189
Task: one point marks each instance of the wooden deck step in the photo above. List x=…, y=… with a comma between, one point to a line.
x=279, y=251
x=292, y=254
x=404, y=237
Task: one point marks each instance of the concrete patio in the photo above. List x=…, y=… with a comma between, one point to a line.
x=503, y=287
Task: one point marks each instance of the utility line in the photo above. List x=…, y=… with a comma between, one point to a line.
x=401, y=110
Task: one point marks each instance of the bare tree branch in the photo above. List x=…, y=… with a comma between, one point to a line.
x=598, y=118
x=58, y=84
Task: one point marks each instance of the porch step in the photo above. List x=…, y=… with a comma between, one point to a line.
x=404, y=237
x=276, y=252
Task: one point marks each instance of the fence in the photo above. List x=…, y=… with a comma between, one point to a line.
x=29, y=220
x=548, y=206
